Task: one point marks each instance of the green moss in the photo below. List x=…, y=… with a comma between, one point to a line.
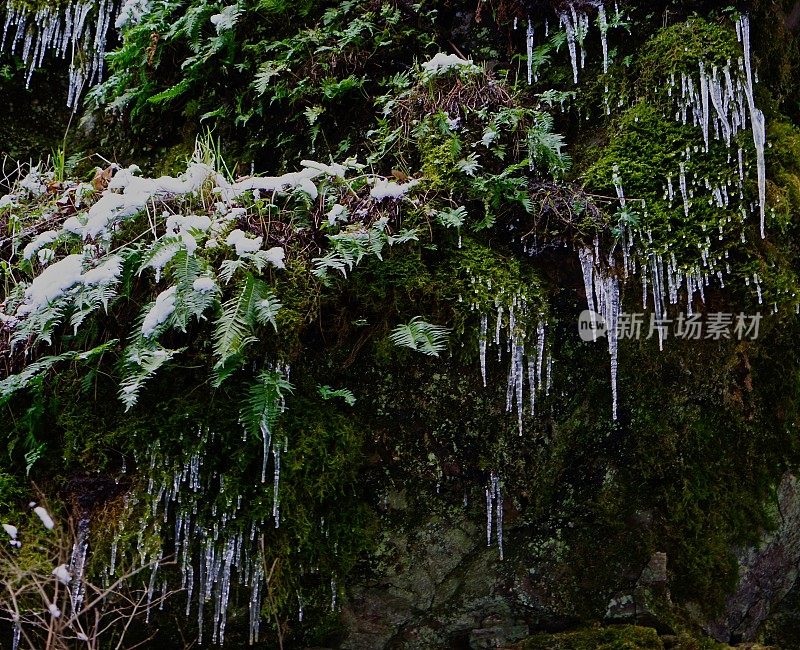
x=678, y=49
x=624, y=637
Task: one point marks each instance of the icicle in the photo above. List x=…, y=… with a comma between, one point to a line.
x=255, y=600
x=266, y=436
x=529, y=42
x=684, y=191
x=77, y=564
x=16, y=634
x=540, y=333
x=276, y=512
x=482, y=342
x=489, y=512
x=704, y=100
x=498, y=497
x=587, y=258
x=549, y=383
x=757, y=122
x=573, y=54
x=532, y=383
x=603, y=24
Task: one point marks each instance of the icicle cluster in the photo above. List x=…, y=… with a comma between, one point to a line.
x=77, y=565
x=211, y=555
x=78, y=32
x=720, y=101
x=576, y=26
x=514, y=327
x=603, y=298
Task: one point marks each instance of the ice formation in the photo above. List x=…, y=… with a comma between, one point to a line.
x=494, y=512
x=603, y=297
x=76, y=30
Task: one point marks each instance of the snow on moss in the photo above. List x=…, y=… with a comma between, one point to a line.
x=44, y=516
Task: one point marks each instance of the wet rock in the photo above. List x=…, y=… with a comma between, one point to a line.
x=767, y=573
x=650, y=597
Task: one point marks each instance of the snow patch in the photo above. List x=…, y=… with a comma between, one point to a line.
x=41, y=241
x=384, y=189
x=442, y=62
x=204, y=285
x=161, y=310
x=47, y=520
x=242, y=243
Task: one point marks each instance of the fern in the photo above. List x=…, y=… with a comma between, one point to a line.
x=233, y=331
x=160, y=254
x=420, y=336
x=13, y=383
x=264, y=402
x=189, y=303
x=326, y=392
x=267, y=309
x=141, y=360
x=89, y=300
x=450, y=218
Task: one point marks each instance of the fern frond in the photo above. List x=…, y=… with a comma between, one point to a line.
x=326, y=392
x=264, y=402
x=141, y=360
x=420, y=336
x=233, y=329
x=267, y=309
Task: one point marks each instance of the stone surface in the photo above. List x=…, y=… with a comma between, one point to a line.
x=767, y=572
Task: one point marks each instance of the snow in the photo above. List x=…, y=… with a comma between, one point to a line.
x=131, y=13
x=7, y=200
x=47, y=237
x=177, y=224
x=443, y=62
x=52, y=283
x=136, y=193
x=33, y=183
x=160, y=311
x=226, y=19
x=385, y=189
x=55, y=612
x=47, y=520
x=62, y=574
x=302, y=180
x=182, y=226
x=204, y=285
x=275, y=256
x=105, y=273
x=10, y=530
x=242, y=243
x=337, y=213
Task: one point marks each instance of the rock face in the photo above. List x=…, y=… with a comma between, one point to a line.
x=767, y=572
x=649, y=597
x=436, y=583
